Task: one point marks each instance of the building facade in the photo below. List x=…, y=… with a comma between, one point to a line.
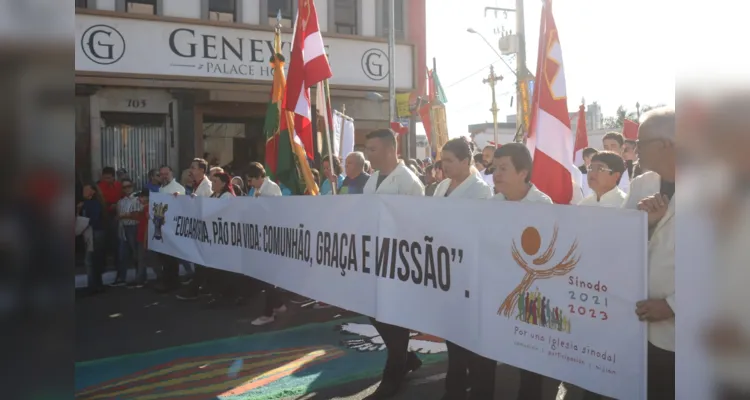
x=163, y=81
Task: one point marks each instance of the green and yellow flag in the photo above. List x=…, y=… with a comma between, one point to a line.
x=286, y=161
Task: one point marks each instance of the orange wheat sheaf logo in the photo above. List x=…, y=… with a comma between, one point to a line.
x=534, y=307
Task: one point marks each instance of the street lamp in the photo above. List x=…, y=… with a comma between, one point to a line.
x=472, y=30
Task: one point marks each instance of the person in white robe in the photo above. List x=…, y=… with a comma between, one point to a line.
x=201, y=188
x=463, y=181
x=577, y=177
x=654, y=193
x=614, y=142
x=513, y=168
x=391, y=177
x=604, y=173
x=261, y=186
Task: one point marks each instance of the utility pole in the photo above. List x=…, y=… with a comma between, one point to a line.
x=522, y=75
x=492, y=79
x=392, y=61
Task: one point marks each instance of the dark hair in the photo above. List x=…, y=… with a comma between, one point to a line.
x=108, y=171
x=478, y=158
x=428, y=169
x=226, y=180
x=166, y=166
x=631, y=142
x=458, y=147
x=98, y=196
x=316, y=175
x=614, y=136
x=255, y=170
x=612, y=160
x=438, y=165
x=519, y=155
x=202, y=164
x=123, y=180
x=386, y=135
x=153, y=172
x=336, y=167
x=588, y=151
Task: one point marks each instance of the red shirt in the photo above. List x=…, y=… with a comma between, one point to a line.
x=112, y=193
x=143, y=225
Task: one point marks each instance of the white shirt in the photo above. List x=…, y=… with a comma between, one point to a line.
x=172, y=188
x=732, y=275
x=400, y=181
x=204, y=188
x=473, y=187
x=612, y=199
x=624, y=184
x=533, y=196
x=269, y=188
x=661, y=258
x=577, y=177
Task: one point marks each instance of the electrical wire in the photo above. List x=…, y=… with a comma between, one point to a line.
x=473, y=73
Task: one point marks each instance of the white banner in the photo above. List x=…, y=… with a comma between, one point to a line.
x=544, y=288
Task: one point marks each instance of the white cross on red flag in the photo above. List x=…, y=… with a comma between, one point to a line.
x=308, y=66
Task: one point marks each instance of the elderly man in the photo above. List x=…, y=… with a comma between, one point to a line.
x=356, y=177
x=653, y=192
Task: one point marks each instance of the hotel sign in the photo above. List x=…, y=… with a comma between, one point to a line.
x=124, y=45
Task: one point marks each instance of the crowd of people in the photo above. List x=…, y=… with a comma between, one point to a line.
x=637, y=175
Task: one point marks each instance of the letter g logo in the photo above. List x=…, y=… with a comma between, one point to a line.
x=103, y=44
x=375, y=64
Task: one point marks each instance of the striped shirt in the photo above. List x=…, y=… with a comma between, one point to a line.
x=128, y=204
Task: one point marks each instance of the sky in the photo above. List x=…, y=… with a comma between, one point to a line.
x=615, y=52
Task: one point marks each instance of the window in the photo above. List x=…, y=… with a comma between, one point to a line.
x=222, y=10
x=81, y=4
x=345, y=12
x=287, y=12
x=141, y=6
x=398, y=18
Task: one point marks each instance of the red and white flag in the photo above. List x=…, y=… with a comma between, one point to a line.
x=308, y=66
x=550, y=138
x=630, y=129
x=582, y=137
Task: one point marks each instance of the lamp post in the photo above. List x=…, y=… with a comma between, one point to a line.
x=392, y=60
x=638, y=110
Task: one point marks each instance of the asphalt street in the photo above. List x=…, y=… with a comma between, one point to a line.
x=122, y=322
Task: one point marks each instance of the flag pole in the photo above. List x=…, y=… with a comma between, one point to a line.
x=321, y=86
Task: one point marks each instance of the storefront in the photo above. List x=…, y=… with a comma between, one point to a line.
x=162, y=90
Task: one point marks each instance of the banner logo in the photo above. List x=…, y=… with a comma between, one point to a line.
x=375, y=64
x=103, y=44
x=534, y=307
x=160, y=213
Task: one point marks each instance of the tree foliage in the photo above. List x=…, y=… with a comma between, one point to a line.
x=622, y=113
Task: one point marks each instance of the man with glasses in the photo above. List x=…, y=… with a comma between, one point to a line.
x=604, y=174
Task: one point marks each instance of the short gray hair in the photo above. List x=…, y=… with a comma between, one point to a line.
x=360, y=157
x=660, y=123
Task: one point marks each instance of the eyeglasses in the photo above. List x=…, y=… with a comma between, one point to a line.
x=597, y=168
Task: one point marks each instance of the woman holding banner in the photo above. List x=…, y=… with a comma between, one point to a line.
x=465, y=368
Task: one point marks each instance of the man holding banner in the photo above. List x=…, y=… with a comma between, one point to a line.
x=391, y=177
x=653, y=192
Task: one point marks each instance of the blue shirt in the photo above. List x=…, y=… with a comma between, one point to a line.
x=93, y=210
x=326, y=188
x=356, y=185
x=152, y=187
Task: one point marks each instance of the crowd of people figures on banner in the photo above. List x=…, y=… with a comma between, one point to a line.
x=629, y=174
